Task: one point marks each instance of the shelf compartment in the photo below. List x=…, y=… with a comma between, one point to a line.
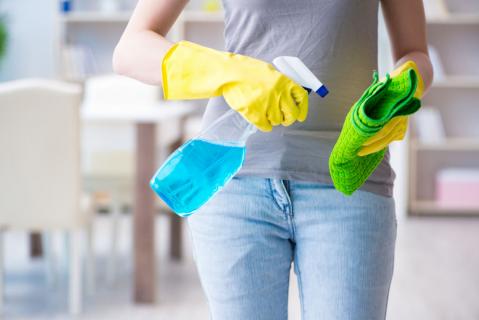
x=459, y=109
x=428, y=161
x=456, y=45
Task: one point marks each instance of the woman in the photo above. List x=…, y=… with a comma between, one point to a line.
x=282, y=207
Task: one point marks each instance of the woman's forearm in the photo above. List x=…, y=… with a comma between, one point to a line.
x=423, y=64
x=140, y=51
x=406, y=23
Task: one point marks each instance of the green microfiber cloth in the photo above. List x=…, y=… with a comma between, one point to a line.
x=382, y=101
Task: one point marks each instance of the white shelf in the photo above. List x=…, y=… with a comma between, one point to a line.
x=123, y=17
x=457, y=82
x=431, y=207
x=95, y=17
x=455, y=19
x=450, y=144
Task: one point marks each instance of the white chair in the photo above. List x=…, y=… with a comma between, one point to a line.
x=40, y=184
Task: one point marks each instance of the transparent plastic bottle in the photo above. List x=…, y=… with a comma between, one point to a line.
x=201, y=167
x=197, y=170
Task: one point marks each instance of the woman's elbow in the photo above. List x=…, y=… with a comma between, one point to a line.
x=427, y=70
x=120, y=60
x=431, y=72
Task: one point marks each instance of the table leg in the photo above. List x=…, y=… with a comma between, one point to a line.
x=176, y=223
x=36, y=247
x=176, y=237
x=144, y=216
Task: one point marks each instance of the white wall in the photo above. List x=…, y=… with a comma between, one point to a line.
x=31, y=25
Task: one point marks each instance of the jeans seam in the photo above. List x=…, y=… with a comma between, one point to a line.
x=300, y=286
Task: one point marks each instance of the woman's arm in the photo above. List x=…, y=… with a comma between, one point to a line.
x=139, y=53
x=406, y=24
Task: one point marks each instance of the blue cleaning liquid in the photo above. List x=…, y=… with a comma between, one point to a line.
x=195, y=172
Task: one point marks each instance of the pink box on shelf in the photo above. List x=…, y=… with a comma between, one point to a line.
x=458, y=188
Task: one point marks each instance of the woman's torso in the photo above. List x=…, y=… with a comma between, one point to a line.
x=337, y=40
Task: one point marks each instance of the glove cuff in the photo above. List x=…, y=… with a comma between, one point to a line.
x=411, y=65
x=192, y=71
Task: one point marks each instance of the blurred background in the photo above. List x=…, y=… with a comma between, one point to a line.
x=74, y=242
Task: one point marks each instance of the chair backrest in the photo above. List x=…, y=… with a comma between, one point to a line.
x=40, y=180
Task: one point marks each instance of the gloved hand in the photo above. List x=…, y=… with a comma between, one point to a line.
x=380, y=103
x=261, y=94
x=394, y=130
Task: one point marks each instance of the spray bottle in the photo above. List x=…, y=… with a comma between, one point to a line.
x=202, y=166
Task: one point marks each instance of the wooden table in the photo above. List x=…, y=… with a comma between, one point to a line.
x=145, y=118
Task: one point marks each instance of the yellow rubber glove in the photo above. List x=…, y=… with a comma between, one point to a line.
x=254, y=88
x=396, y=129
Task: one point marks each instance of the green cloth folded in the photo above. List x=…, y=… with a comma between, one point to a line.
x=382, y=101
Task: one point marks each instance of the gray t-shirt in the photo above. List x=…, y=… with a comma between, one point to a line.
x=337, y=40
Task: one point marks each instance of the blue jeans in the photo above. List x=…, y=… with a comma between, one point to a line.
x=246, y=238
